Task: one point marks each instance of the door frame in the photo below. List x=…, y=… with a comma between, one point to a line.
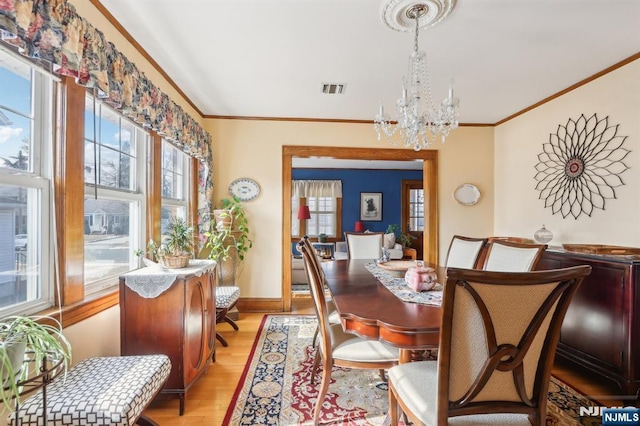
x=430, y=185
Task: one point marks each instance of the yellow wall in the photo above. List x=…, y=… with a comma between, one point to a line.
x=519, y=212
x=251, y=148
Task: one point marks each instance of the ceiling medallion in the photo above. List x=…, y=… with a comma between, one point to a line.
x=396, y=14
x=580, y=167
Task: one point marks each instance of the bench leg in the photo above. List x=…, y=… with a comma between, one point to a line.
x=221, y=339
x=231, y=322
x=146, y=421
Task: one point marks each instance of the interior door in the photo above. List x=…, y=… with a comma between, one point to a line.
x=413, y=214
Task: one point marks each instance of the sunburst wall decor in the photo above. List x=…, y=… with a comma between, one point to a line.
x=580, y=166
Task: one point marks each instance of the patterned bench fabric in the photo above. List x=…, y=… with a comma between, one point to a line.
x=99, y=391
x=226, y=296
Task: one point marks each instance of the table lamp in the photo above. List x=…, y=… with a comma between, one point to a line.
x=359, y=226
x=303, y=213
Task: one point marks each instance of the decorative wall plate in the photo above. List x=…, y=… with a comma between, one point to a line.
x=467, y=194
x=244, y=188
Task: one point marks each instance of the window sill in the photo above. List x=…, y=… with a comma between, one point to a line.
x=80, y=311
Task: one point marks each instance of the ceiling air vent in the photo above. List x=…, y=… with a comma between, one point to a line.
x=333, y=88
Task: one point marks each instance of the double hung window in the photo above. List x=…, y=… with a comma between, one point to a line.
x=114, y=204
x=26, y=140
x=324, y=199
x=175, y=184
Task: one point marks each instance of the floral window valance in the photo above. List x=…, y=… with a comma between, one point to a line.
x=317, y=188
x=51, y=30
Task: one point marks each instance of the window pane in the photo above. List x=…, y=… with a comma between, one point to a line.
x=15, y=140
x=16, y=116
x=108, y=227
x=168, y=212
x=116, y=153
x=295, y=223
x=173, y=176
x=19, y=246
x=15, y=84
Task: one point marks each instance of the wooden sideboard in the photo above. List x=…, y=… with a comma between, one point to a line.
x=180, y=322
x=602, y=325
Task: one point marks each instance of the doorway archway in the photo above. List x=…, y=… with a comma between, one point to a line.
x=430, y=183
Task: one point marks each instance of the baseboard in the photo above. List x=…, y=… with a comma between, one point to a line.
x=248, y=304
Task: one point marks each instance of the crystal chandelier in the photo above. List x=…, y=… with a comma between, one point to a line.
x=416, y=113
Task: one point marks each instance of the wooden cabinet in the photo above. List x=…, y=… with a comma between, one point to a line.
x=600, y=329
x=179, y=322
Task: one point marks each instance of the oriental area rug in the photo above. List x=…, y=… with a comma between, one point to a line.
x=275, y=386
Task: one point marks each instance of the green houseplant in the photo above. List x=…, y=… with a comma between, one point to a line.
x=227, y=243
x=231, y=232
x=401, y=238
x=176, y=247
x=25, y=338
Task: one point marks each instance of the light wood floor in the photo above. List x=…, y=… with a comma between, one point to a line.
x=209, y=397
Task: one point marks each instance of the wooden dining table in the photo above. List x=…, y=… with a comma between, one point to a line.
x=368, y=309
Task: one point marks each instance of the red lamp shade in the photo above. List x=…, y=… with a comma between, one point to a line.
x=303, y=213
x=359, y=226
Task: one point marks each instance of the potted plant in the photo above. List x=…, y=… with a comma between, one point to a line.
x=25, y=343
x=224, y=236
x=229, y=244
x=401, y=238
x=176, y=247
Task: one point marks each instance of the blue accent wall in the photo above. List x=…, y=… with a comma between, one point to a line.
x=355, y=181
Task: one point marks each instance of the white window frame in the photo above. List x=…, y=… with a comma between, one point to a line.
x=40, y=242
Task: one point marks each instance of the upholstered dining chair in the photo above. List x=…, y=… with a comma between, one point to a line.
x=364, y=246
x=497, y=343
x=508, y=256
x=464, y=252
x=337, y=347
x=334, y=317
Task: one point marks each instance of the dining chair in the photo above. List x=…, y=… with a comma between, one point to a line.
x=464, y=252
x=508, y=256
x=364, y=246
x=334, y=317
x=337, y=347
x=498, y=340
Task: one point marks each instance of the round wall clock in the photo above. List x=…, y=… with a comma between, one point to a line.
x=244, y=188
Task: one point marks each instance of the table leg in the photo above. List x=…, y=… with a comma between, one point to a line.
x=406, y=355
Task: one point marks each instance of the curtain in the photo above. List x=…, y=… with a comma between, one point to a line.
x=52, y=31
x=316, y=188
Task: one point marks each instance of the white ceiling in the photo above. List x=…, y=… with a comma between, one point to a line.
x=268, y=58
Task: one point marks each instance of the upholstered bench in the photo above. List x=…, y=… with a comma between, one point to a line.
x=226, y=298
x=110, y=391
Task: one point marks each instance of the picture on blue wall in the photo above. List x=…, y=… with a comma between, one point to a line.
x=371, y=206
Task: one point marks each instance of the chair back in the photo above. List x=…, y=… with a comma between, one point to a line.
x=315, y=277
x=498, y=339
x=314, y=259
x=464, y=252
x=364, y=246
x=507, y=256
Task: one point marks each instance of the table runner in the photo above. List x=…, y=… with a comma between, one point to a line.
x=399, y=287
